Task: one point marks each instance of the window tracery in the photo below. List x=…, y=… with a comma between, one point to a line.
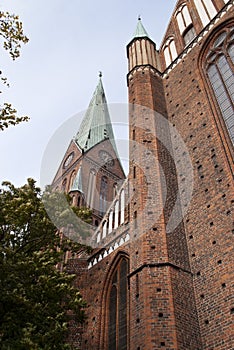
x=219, y=65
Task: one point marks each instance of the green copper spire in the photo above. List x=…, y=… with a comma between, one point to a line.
x=140, y=30
x=96, y=125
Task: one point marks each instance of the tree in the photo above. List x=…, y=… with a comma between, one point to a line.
x=11, y=31
x=75, y=222
x=36, y=298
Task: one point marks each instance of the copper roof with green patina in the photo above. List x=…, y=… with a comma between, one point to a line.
x=96, y=125
x=140, y=31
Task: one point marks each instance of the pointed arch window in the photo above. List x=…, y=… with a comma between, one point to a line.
x=206, y=10
x=185, y=24
x=219, y=66
x=103, y=195
x=117, y=308
x=91, y=188
x=72, y=178
x=183, y=18
x=170, y=52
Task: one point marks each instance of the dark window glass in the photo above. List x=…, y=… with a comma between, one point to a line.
x=189, y=35
x=118, y=298
x=112, y=318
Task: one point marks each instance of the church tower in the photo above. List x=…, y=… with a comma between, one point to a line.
x=91, y=171
x=159, y=267
x=161, y=274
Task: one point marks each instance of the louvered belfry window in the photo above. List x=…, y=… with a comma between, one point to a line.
x=219, y=68
x=117, y=308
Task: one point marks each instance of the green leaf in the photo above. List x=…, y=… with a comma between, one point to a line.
x=35, y=297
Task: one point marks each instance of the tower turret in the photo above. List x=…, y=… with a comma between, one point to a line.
x=156, y=252
x=141, y=50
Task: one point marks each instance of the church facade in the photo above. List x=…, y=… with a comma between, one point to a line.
x=161, y=274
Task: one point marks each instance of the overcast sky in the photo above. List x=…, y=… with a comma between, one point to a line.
x=56, y=75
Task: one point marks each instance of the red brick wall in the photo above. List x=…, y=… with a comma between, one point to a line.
x=157, y=257
x=209, y=222
x=180, y=283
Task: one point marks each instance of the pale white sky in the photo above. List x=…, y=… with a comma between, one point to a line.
x=54, y=79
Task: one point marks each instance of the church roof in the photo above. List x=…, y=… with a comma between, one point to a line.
x=140, y=31
x=96, y=125
x=77, y=183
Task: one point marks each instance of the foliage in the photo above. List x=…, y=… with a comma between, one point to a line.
x=75, y=221
x=8, y=116
x=36, y=298
x=11, y=31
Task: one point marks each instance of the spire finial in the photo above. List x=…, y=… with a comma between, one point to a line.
x=100, y=74
x=140, y=31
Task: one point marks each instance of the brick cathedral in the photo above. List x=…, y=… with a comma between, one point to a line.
x=161, y=274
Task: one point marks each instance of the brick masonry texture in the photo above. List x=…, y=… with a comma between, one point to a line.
x=180, y=283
